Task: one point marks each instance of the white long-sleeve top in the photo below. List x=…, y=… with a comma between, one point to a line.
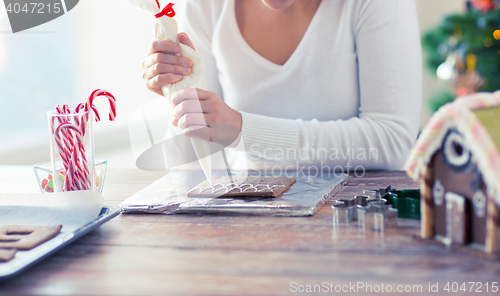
x=350, y=95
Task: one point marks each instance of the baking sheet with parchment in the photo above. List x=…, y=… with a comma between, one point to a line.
x=72, y=210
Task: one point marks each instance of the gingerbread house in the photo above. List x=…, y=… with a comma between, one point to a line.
x=457, y=160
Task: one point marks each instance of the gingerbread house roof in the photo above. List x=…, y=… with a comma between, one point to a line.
x=482, y=139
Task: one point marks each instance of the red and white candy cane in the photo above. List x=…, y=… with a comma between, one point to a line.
x=64, y=147
x=112, y=102
x=90, y=104
x=85, y=119
x=67, y=135
x=60, y=110
x=72, y=148
x=71, y=176
x=66, y=152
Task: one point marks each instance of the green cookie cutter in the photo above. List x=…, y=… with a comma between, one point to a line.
x=406, y=201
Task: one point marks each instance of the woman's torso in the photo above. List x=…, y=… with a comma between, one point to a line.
x=319, y=80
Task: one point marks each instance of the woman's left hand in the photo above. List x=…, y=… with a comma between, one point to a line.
x=202, y=114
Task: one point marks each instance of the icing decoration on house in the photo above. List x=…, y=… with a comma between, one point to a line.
x=457, y=160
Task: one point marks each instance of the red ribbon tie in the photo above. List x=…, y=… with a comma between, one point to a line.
x=168, y=11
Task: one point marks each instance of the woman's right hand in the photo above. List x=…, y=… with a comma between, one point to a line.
x=164, y=66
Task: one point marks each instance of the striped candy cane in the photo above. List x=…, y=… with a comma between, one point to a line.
x=112, y=103
x=83, y=122
x=80, y=169
x=67, y=136
x=90, y=104
x=71, y=150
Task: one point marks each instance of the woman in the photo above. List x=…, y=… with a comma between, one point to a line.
x=332, y=83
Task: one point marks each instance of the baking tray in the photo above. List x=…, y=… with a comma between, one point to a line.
x=25, y=259
x=167, y=195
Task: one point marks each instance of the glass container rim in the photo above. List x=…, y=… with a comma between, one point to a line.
x=54, y=113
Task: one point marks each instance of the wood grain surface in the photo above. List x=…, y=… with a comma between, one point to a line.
x=244, y=255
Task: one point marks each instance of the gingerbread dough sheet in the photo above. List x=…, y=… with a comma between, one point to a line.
x=242, y=187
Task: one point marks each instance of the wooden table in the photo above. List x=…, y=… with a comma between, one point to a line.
x=237, y=255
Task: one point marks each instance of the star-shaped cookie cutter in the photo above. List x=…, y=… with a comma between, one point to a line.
x=377, y=216
x=345, y=210
x=378, y=194
x=369, y=210
x=407, y=201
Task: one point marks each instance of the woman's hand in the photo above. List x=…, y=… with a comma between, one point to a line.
x=202, y=114
x=163, y=66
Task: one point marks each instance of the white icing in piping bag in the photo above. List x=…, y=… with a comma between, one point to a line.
x=166, y=29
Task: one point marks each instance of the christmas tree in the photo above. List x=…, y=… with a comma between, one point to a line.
x=465, y=50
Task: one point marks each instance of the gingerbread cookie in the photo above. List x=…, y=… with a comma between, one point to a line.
x=7, y=254
x=242, y=187
x=26, y=237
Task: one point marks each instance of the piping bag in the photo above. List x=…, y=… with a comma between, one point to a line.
x=165, y=28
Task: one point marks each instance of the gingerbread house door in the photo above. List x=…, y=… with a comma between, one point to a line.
x=457, y=218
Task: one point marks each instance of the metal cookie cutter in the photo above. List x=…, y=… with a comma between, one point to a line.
x=378, y=194
x=406, y=201
x=345, y=210
x=377, y=216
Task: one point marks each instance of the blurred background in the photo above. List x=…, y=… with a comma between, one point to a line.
x=101, y=44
